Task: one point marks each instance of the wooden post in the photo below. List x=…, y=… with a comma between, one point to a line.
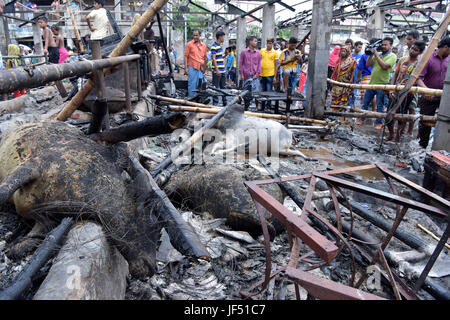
x=100, y=116
x=126, y=81
x=37, y=39
x=6, y=33
x=74, y=25
x=139, y=79
x=241, y=36
x=318, y=58
x=99, y=77
x=441, y=139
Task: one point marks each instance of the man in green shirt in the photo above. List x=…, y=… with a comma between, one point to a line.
x=382, y=64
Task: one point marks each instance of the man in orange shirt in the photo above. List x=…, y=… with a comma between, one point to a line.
x=194, y=62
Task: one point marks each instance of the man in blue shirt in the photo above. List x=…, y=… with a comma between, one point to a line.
x=363, y=75
x=356, y=55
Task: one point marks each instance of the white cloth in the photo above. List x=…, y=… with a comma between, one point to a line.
x=1, y=61
x=99, y=22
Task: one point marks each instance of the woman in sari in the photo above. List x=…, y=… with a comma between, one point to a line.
x=343, y=72
x=14, y=50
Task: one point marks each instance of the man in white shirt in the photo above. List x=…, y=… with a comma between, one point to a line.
x=100, y=24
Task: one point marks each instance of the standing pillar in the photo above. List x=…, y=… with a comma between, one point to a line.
x=375, y=24
x=6, y=39
x=402, y=47
x=3, y=44
x=37, y=39
x=226, y=42
x=295, y=31
x=318, y=58
x=268, y=24
x=241, y=36
x=441, y=139
x=117, y=9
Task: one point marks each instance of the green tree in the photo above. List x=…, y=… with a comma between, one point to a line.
x=254, y=31
x=194, y=21
x=282, y=33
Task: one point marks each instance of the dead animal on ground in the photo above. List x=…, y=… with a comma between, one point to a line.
x=220, y=190
x=254, y=135
x=51, y=169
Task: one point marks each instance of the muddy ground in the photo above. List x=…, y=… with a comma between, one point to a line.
x=236, y=264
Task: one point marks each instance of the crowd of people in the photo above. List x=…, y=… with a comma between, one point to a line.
x=283, y=66
x=273, y=67
x=259, y=69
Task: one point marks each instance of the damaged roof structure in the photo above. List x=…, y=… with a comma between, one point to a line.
x=115, y=184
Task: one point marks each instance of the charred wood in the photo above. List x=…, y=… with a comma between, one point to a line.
x=182, y=235
x=40, y=257
x=149, y=127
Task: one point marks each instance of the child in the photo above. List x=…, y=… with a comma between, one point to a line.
x=50, y=47
x=63, y=54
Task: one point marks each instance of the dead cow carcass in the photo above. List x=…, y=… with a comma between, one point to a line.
x=219, y=189
x=55, y=165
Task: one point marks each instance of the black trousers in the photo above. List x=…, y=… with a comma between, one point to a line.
x=427, y=108
x=53, y=55
x=219, y=82
x=404, y=107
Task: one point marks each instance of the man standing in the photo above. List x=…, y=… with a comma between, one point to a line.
x=403, y=71
x=411, y=37
x=194, y=62
x=218, y=66
x=357, y=56
x=269, y=63
x=99, y=27
x=231, y=71
x=233, y=53
x=432, y=76
x=250, y=65
x=381, y=69
x=289, y=59
x=349, y=44
x=50, y=47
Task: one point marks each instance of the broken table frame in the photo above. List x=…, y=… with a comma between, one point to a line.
x=298, y=230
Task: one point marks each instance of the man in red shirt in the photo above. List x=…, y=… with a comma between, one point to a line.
x=194, y=62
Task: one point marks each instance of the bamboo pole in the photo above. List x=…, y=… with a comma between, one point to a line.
x=387, y=87
x=120, y=50
x=428, y=120
x=180, y=101
x=75, y=29
x=431, y=234
x=247, y=113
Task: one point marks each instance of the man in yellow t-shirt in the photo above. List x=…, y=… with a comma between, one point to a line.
x=269, y=63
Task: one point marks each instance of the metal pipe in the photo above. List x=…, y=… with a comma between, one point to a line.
x=19, y=78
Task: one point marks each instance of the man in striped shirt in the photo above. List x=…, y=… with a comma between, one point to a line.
x=218, y=66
